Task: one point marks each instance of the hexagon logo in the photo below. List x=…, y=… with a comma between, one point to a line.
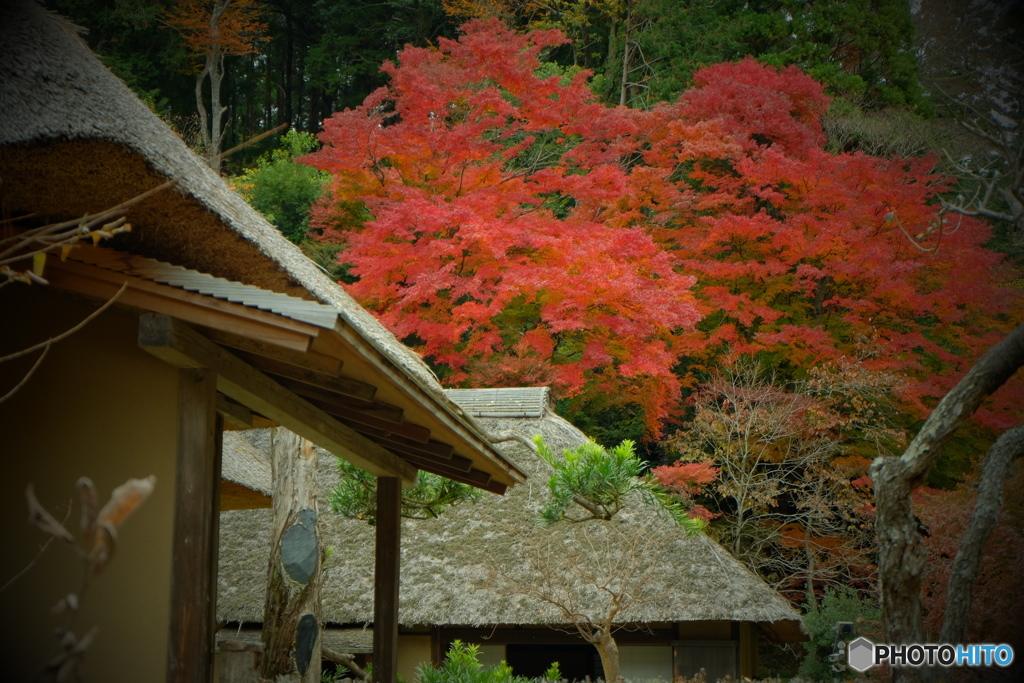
x=860, y=654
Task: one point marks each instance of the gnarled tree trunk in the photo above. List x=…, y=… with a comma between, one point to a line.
x=291, y=619
x=609, y=651
x=901, y=550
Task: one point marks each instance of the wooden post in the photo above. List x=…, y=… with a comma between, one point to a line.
x=385, y=582
x=291, y=620
x=196, y=520
x=436, y=655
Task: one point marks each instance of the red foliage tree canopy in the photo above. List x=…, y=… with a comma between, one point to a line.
x=812, y=256
x=507, y=225
x=487, y=187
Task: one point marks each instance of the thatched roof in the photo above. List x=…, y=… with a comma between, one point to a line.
x=453, y=567
x=74, y=140
x=67, y=122
x=244, y=464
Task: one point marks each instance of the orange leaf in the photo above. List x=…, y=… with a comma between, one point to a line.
x=125, y=499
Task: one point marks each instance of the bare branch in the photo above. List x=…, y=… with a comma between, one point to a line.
x=28, y=375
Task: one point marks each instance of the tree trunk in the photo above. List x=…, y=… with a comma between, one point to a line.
x=1008, y=447
x=287, y=80
x=901, y=550
x=812, y=600
x=291, y=620
x=609, y=652
x=211, y=121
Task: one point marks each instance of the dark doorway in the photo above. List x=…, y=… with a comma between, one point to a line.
x=575, y=661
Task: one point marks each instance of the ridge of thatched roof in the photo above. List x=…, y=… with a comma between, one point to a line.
x=67, y=122
x=448, y=563
x=502, y=402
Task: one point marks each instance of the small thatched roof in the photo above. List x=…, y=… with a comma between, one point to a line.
x=452, y=567
x=74, y=140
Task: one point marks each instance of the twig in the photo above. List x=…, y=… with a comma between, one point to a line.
x=253, y=140
x=28, y=375
x=42, y=549
x=65, y=335
x=86, y=221
x=345, y=660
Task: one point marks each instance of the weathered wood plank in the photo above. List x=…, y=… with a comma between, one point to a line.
x=179, y=345
x=253, y=350
x=234, y=412
x=196, y=518
x=315, y=380
x=385, y=580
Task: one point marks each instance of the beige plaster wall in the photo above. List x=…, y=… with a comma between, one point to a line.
x=101, y=407
x=412, y=651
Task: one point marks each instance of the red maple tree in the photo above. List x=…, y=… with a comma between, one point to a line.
x=487, y=187
x=813, y=257
x=509, y=226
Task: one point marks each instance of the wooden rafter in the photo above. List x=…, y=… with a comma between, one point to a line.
x=176, y=343
x=234, y=412
x=254, y=350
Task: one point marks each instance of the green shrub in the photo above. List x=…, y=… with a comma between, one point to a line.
x=461, y=666
x=843, y=604
x=282, y=189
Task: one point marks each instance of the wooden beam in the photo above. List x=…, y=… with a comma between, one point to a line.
x=333, y=385
x=181, y=346
x=195, y=308
x=386, y=579
x=234, y=496
x=234, y=412
x=477, y=478
x=545, y=635
x=254, y=350
x=392, y=441
x=408, y=430
x=196, y=518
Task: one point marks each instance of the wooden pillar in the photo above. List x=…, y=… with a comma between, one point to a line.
x=385, y=582
x=436, y=655
x=196, y=521
x=748, y=649
x=291, y=619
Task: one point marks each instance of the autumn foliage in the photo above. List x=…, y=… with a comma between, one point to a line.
x=513, y=229
x=487, y=190
x=236, y=31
